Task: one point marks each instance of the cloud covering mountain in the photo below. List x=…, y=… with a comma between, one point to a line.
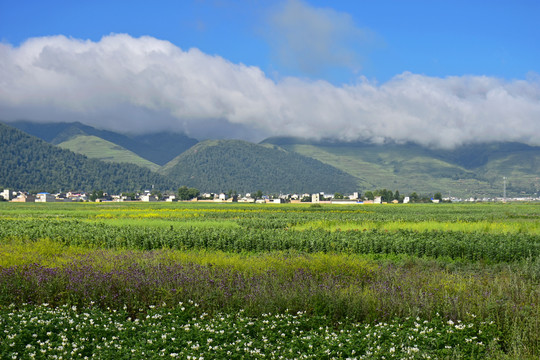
x=145, y=84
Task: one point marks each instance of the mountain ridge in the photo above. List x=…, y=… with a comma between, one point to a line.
x=473, y=169
x=213, y=164
x=97, y=148
x=31, y=164
x=158, y=148
x=469, y=170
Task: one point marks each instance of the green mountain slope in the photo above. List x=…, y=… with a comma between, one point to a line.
x=474, y=170
x=276, y=165
x=97, y=148
x=222, y=165
x=29, y=163
x=158, y=148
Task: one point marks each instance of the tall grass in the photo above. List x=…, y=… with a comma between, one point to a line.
x=481, y=226
x=486, y=247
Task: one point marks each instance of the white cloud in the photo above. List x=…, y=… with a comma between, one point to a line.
x=144, y=84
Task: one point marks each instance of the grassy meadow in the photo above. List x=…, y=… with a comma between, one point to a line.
x=214, y=281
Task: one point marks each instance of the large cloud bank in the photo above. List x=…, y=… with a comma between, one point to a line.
x=148, y=85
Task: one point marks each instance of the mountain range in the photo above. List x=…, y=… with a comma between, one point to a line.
x=31, y=164
x=469, y=170
x=158, y=148
x=247, y=167
x=49, y=163
x=285, y=164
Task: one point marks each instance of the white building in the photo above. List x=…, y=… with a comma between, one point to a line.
x=7, y=194
x=121, y=198
x=77, y=196
x=23, y=197
x=148, y=198
x=45, y=197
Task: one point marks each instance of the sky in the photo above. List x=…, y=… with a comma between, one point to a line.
x=437, y=73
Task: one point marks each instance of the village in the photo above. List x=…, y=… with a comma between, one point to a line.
x=316, y=198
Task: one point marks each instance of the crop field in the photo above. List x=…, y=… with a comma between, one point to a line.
x=234, y=281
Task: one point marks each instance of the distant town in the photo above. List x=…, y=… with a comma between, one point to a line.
x=193, y=195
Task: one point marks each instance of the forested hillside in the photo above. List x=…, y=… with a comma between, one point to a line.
x=158, y=148
x=221, y=165
x=29, y=163
x=469, y=170
x=278, y=165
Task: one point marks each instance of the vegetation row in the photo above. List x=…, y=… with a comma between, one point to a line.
x=90, y=332
x=476, y=246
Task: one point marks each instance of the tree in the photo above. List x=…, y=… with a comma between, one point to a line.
x=258, y=195
x=414, y=197
x=130, y=195
x=185, y=193
x=386, y=195
x=369, y=195
x=338, y=196
x=96, y=194
x=193, y=193
x=437, y=196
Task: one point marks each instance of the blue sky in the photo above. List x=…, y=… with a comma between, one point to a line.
x=358, y=53
x=435, y=38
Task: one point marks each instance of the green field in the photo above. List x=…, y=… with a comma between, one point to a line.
x=188, y=280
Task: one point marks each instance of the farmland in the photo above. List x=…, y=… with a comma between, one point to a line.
x=219, y=281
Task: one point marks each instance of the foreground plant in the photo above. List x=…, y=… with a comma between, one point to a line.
x=331, y=286
x=183, y=332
